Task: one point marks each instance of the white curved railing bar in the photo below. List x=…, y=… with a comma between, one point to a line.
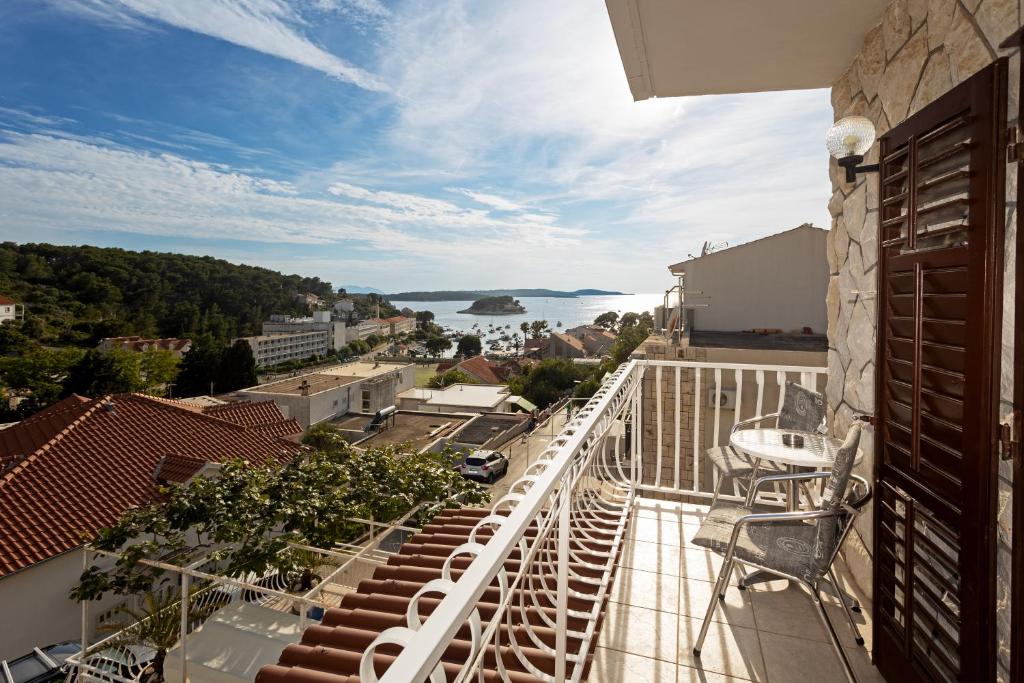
x=422, y=650
x=575, y=484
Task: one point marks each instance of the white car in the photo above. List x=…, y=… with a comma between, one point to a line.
x=486, y=465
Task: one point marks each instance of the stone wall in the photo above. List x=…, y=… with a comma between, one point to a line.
x=921, y=49
x=657, y=347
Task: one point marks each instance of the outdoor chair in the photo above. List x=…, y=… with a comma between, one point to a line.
x=800, y=546
x=802, y=410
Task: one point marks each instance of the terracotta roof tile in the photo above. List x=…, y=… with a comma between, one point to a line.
x=93, y=459
x=248, y=413
x=481, y=368
x=6, y=301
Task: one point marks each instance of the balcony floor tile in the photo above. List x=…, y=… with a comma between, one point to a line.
x=770, y=632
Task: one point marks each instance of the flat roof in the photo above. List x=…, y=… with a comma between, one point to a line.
x=469, y=395
x=485, y=427
x=753, y=341
x=408, y=426
x=328, y=378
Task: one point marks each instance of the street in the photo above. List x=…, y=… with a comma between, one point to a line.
x=521, y=454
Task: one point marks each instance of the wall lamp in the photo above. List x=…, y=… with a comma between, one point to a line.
x=848, y=140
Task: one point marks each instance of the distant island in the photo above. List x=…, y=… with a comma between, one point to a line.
x=495, y=305
x=474, y=294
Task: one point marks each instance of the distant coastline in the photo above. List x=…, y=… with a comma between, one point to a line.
x=474, y=294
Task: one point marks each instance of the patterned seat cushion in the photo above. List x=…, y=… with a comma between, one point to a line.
x=802, y=409
x=733, y=463
x=785, y=547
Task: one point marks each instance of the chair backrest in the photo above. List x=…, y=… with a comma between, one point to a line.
x=830, y=529
x=802, y=409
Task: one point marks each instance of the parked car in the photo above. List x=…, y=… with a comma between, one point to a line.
x=486, y=465
x=42, y=665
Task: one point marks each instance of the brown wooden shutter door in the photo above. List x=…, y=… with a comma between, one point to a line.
x=939, y=292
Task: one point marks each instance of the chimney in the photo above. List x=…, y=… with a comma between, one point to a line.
x=304, y=387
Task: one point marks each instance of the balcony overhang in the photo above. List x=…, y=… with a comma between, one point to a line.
x=672, y=48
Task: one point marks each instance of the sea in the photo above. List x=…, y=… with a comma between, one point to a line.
x=568, y=312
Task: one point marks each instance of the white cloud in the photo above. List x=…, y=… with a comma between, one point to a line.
x=72, y=184
x=492, y=200
x=269, y=26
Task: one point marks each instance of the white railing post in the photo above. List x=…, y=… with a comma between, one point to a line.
x=184, y=627
x=562, y=613
x=85, y=620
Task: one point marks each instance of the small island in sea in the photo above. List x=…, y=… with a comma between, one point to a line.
x=495, y=305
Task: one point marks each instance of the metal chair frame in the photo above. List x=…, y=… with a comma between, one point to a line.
x=849, y=508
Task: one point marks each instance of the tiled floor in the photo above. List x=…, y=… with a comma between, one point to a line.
x=770, y=632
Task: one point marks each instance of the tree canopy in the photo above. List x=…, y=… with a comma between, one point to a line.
x=469, y=346
x=446, y=379
x=247, y=516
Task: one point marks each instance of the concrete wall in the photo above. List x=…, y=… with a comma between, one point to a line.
x=920, y=50
x=775, y=282
x=36, y=608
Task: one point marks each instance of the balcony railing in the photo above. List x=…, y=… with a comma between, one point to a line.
x=643, y=432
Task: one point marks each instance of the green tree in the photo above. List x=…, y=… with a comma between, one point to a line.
x=453, y=376
x=469, y=346
x=104, y=372
x=237, y=368
x=548, y=381
x=438, y=345
x=35, y=377
x=424, y=317
x=247, y=516
x=607, y=320
x=538, y=328
x=159, y=367
x=628, y=320
x=199, y=368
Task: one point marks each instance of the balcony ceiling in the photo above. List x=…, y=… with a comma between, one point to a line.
x=671, y=48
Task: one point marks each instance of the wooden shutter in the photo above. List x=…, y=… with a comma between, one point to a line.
x=939, y=288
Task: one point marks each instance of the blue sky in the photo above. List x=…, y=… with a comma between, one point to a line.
x=430, y=144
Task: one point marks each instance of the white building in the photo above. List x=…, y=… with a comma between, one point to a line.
x=773, y=283
x=9, y=309
x=460, y=398
x=362, y=387
x=272, y=349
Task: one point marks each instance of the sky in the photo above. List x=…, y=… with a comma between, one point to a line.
x=420, y=144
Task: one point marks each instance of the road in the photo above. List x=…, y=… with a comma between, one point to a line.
x=522, y=454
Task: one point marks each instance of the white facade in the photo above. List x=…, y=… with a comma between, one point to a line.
x=777, y=282
x=278, y=348
x=362, y=387
x=9, y=310
x=459, y=398
x=37, y=608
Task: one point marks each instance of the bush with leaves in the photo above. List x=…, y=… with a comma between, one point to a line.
x=246, y=517
x=453, y=376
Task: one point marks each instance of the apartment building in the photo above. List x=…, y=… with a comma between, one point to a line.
x=363, y=387
x=273, y=349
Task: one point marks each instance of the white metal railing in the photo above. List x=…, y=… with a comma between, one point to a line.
x=589, y=473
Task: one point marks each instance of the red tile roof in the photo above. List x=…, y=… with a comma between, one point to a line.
x=247, y=413
x=140, y=344
x=481, y=368
x=92, y=459
x=330, y=652
x=6, y=301
x=177, y=469
x=569, y=340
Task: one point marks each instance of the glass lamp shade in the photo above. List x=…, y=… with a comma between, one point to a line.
x=850, y=136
